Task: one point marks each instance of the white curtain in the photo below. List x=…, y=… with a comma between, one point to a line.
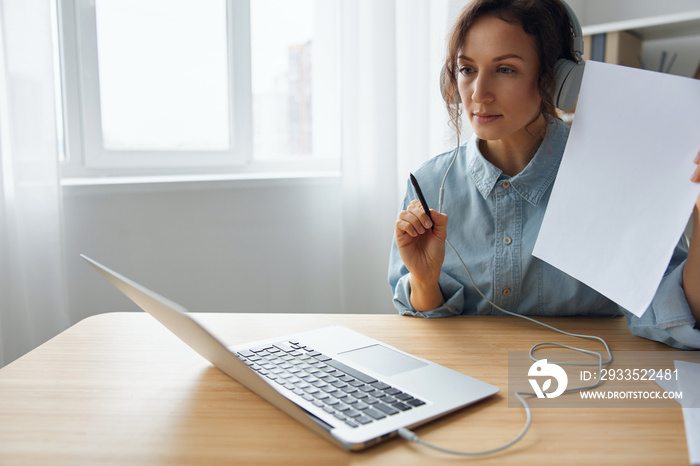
x=393, y=120
x=32, y=288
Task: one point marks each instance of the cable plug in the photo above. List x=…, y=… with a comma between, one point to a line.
x=407, y=434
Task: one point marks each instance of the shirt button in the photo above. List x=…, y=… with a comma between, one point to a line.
x=506, y=184
x=506, y=291
x=507, y=240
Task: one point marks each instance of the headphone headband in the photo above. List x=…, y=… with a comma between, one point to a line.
x=578, y=32
x=568, y=74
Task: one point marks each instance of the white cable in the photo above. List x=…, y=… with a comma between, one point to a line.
x=442, y=185
x=532, y=350
x=409, y=435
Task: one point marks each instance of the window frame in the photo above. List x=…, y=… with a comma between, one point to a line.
x=83, y=153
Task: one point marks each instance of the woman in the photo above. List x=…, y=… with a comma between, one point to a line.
x=500, y=60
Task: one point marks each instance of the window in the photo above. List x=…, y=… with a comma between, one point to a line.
x=199, y=86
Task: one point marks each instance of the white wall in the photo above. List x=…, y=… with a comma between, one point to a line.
x=246, y=246
x=607, y=11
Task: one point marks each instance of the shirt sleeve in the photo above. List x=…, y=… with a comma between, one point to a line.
x=669, y=319
x=449, y=287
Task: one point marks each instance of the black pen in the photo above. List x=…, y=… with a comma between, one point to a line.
x=419, y=193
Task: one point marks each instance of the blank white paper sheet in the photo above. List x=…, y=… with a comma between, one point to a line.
x=686, y=381
x=623, y=195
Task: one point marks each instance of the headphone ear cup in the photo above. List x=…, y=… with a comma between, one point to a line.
x=568, y=76
x=443, y=80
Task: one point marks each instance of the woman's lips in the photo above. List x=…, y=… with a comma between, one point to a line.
x=485, y=118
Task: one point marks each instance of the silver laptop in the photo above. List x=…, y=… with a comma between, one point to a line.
x=350, y=389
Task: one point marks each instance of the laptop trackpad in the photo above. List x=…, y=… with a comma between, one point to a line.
x=383, y=360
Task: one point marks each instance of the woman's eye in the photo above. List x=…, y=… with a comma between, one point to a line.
x=465, y=70
x=504, y=70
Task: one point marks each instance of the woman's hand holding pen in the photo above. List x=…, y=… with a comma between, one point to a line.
x=421, y=244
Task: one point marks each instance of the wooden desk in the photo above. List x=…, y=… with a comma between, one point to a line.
x=119, y=388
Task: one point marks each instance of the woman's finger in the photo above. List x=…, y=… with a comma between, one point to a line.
x=417, y=209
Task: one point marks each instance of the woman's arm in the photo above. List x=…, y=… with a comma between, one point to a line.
x=691, y=271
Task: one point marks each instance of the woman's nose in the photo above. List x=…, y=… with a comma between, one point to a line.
x=481, y=89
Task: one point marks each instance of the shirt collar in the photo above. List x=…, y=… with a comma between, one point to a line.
x=537, y=176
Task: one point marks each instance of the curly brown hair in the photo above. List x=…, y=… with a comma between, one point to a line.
x=546, y=20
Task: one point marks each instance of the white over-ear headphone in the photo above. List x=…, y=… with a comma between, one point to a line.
x=567, y=72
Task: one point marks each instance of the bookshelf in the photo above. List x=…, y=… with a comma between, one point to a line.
x=681, y=24
x=621, y=42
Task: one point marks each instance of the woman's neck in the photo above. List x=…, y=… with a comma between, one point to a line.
x=511, y=155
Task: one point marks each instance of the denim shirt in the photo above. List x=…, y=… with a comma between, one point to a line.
x=493, y=222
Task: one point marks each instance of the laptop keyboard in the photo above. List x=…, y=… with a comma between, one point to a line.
x=348, y=394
